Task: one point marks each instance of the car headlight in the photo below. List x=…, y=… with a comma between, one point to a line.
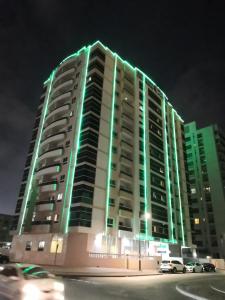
x=30, y=291
x=59, y=286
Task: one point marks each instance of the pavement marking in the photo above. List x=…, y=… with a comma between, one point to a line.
x=217, y=290
x=193, y=296
x=85, y=281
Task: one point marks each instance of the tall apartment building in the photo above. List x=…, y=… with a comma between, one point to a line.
x=105, y=170
x=205, y=149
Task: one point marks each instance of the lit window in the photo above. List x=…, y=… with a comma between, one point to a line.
x=60, y=196
x=196, y=221
x=49, y=218
x=55, y=218
x=34, y=215
x=193, y=190
x=41, y=246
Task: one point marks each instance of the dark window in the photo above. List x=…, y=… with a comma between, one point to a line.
x=142, y=191
x=158, y=196
x=95, y=78
x=90, y=121
x=97, y=53
x=155, y=166
x=155, y=141
x=154, y=96
x=93, y=106
x=110, y=222
x=85, y=173
x=80, y=216
x=96, y=65
x=159, y=213
x=83, y=194
x=87, y=154
x=156, y=154
x=157, y=181
x=89, y=137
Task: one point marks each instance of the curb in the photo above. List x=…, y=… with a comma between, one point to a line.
x=104, y=275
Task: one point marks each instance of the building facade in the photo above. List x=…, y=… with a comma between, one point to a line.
x=105, y=171
x=205, y=150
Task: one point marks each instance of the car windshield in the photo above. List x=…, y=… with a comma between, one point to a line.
x=165, y=262
x=190, y=264
x=32, y=272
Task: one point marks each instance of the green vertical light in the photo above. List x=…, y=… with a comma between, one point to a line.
x=146, y=179
x=167, y=171
x=177, y=176
x=75, y=148
x=110, y=144
x=35, y=156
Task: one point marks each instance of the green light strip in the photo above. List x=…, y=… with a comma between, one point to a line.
x=76, y=146
x=35, y=156
x=177, y=175
x=110, y=145
x=146, y=179
x=167, y=172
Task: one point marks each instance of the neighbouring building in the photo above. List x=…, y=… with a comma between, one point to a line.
x=5, y=226
x=205, y=151
x=105, y=172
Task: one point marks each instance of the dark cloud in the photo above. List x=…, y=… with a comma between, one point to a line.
x=180, y=44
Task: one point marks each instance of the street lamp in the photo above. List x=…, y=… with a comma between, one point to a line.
x=147, y=216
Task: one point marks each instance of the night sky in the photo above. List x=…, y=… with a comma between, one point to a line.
x=179, y=44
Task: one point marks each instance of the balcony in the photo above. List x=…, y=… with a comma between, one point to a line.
x=54, y=138
x=61, y=76
x=125, y=227
x=56, y=112
x=50, y=186
x=125, y=195
x=66, y=65
x=59, y=100
x=45, y=207
x=62, y=88
x=53, y=169
x=56, y=125
x=51, y=154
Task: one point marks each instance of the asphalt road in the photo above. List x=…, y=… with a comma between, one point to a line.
x=199, y=286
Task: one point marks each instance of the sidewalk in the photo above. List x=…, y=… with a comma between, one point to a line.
x=98, y=272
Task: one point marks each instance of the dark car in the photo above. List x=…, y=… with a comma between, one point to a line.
x=4, y=259
x=209, y=267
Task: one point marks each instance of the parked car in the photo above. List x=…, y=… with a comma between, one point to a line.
x=194, y=267
x=172, y=266
x=209, y=267
x=25, y=282
x=4, y=259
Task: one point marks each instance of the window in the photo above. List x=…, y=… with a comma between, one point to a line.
x=85, y=173
x=41, y=246
x=67, y=144
x=60, y=196
x=62, y=178
x=69, y=128
x=97, y=53
x=56, y=218
x=28, y=246
x=111, y=202
x=89, y=137
x=65, y=160
x=110, y=222
x=80, y=216
x=48, y=218
x=196, y=220
x=87, y=154
x=9, y=271
x=112, y=183
x=193, y=190
x=83, y=193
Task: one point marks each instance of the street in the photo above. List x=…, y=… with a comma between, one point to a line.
x=167, y=286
